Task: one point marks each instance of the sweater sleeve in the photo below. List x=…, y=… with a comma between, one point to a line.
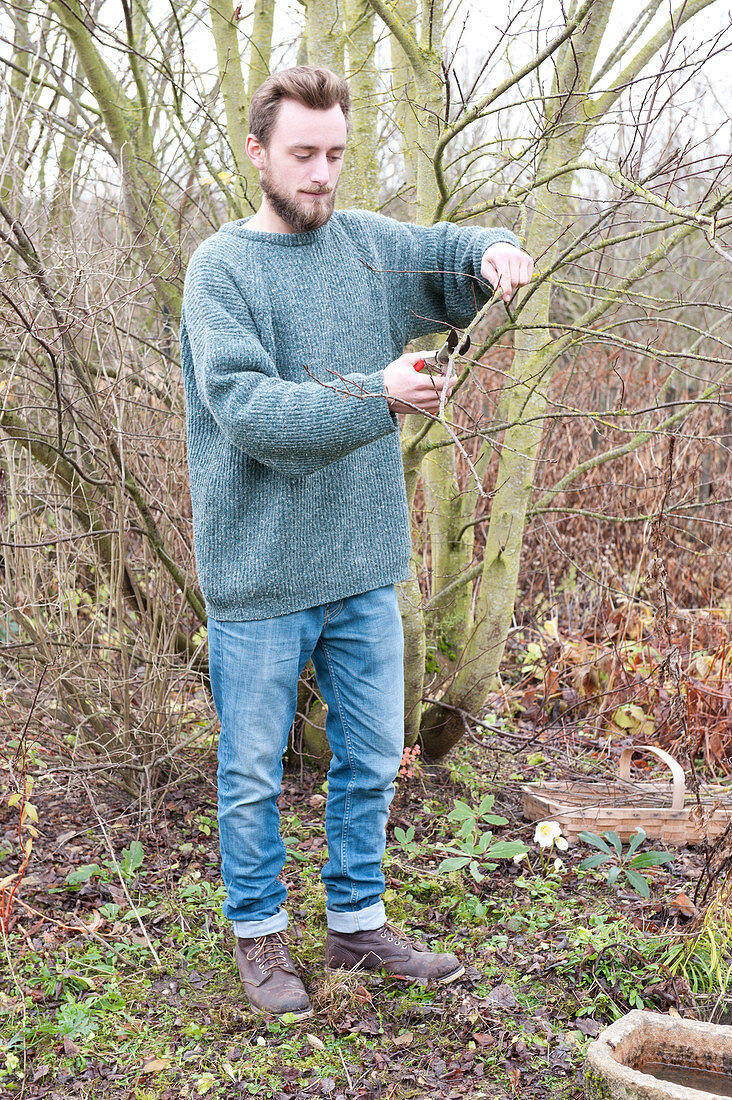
x=438, y=268
x=295, y=428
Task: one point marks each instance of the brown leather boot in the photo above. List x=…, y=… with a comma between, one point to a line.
x=269, y=976
x=389, y=949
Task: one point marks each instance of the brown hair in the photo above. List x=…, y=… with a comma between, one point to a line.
x=308, y=84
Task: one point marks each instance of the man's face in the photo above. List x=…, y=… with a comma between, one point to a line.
x=301, y=164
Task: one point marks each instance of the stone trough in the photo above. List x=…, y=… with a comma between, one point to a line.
x=650, y=1056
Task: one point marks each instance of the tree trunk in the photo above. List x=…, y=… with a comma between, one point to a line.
x=240, y=199
x=522, y=407
x=151, y=222
x=16, y=127
x=359, y=185
x=451, y=541
x=401, y=90
x=324, y=32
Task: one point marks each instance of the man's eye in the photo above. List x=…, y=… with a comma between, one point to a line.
x=302, y=156
x=336, y=156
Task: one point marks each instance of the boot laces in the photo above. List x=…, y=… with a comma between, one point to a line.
x=393, y=935
x=270, y=952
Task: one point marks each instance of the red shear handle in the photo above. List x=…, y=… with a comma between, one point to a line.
x=419, y=365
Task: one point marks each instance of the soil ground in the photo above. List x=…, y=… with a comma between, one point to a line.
x=118, y=979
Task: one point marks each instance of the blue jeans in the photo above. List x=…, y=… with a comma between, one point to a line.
x=357, y=648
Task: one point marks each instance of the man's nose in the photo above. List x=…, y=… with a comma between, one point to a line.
x=319, y=171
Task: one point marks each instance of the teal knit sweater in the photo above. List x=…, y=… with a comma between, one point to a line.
x=295, y=461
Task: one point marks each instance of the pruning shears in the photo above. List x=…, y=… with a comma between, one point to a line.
x=453, y=345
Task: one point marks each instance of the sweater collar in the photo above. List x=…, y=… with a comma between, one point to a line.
x=286, y=240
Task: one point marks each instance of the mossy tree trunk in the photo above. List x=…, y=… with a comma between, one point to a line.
x=359, y=186
x=15, y=126
x=151, y=223
x=224, y=25
x=418, y=82
x=325, y=34
x=570, y=114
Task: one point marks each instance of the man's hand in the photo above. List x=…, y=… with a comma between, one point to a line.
x=506, y=268
x=406, y=387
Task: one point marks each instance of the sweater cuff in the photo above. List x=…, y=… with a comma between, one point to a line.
x=380, y=415
x=378, y=387
x=484, y=240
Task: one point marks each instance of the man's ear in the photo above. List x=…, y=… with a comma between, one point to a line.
x=255, y=151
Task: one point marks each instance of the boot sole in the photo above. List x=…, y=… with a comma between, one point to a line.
x=445, y=980
x=303, y=1014
x=452, y=977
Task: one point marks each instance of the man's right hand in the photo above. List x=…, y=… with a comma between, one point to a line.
x=408, y=390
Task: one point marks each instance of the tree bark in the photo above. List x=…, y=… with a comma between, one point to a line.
x=324, y=31
x=524, y=401
x=359, y=185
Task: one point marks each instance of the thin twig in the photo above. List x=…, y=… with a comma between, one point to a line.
x=132, y=905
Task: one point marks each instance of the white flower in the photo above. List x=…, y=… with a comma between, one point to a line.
x=519, y=856
x=546, y=833
x=561, y=844
x=558, y=864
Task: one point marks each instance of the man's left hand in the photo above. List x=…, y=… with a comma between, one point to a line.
x=506, y=268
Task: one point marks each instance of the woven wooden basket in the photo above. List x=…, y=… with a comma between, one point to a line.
x=665, y=810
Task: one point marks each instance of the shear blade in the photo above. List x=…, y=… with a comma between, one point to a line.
x=453, y=344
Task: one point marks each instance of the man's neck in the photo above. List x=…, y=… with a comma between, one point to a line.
x=267, y=221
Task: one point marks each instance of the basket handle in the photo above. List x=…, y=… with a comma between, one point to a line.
x=677, y=771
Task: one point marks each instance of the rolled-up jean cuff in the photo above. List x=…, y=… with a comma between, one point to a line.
x=373, y=916
x=248, y=929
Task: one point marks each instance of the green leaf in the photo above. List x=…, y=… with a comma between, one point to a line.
x=615, y=840
x=461, y=811
x=486, y=804
x=454, y=863
x=484, y=841
x=83, y=874
x=483, y=811
x=612, y=875
x=461, y=848
x=132, y=858
x=651, y=859
x=475, y=871
x=81, y=981
x=638, y=882
x=507, y=849
x=292, y=843
x=631, y=717
x=131, y=915
x=595, y=841
x=594, y=861
x=638, y=837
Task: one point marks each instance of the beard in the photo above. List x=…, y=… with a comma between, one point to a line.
x=302, y=216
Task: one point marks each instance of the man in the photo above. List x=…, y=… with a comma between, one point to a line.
x=292, y=337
